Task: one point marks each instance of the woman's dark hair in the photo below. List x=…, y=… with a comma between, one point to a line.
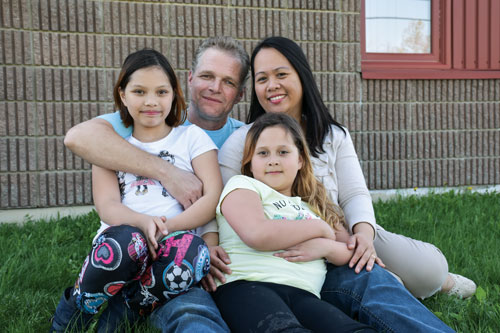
x=143, y=59
x=315, y=113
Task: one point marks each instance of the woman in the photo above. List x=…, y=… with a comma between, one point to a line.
x=283, y=82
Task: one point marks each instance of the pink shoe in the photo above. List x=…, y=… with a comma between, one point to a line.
x=463, y=287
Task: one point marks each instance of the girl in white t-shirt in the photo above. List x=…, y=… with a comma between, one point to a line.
x=276, y=204
x=142, y=253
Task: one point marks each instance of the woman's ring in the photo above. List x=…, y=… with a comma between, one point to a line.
x=374, y=256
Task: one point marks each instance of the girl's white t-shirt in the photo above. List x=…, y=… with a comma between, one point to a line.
x=147, y=195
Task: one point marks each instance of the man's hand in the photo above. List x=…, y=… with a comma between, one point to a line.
x=218, y=266
x=183, y=186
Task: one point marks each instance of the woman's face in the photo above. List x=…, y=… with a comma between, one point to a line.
x=276, y=159
x=277, y=84
x=148, y=97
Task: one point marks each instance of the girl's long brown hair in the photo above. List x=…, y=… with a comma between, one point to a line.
x=306, y=186
x=143, y=59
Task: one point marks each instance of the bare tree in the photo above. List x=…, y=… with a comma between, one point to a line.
x=414, y=39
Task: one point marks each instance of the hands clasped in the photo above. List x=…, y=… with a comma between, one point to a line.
x=154, y=228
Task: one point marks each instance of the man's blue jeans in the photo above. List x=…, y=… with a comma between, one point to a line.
x=194, y=311
x=376, y=298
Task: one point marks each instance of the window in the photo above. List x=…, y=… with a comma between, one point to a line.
x=398, y=26
x=430, y=39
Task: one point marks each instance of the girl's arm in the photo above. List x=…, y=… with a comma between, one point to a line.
x=206, y=168
x=243, y=211
x=108, y=204
x=335, y=252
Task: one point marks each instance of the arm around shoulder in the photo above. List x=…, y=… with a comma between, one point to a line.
x=85, y=139
x=96, y=141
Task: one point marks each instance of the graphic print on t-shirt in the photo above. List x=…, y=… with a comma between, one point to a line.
x=141, y=183
x=165, y=155
x=302, y=214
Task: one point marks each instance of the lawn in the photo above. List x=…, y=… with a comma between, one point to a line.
x=42, y=257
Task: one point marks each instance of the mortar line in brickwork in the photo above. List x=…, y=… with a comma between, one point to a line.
x=230, y=6
x=437, y=131
x=494, y=101
x=43, y=172
x=357, y=114
x=181, y=70
x=326, y=102
x=59, y=101
x=458, y=130
x=103, y=57
x=37, y=118
x=466, y=158
x=336, y=72
x=32, y=137
x=110, y=102
x=107, y=34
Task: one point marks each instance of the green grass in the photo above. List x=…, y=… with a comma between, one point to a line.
x=466, y=227
x=41, y=258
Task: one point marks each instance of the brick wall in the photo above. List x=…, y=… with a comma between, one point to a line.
x=59, y=60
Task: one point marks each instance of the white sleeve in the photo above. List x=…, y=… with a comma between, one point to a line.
x=206, y=228
x=353, y=195
x=199, y=141
x=231, y=153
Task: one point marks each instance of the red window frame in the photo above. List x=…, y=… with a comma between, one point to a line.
x=454, y=49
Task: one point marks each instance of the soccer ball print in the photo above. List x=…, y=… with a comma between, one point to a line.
x=183, y=260
x=178, y=278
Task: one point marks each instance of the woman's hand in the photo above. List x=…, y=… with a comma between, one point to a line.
x=362, y=243
x=309, y=250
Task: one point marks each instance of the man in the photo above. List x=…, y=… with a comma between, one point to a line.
x=216, y=83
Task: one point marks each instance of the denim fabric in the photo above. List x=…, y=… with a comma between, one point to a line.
x=194, y=311
x=68, y=317
x=117, y=317
x=376, y=298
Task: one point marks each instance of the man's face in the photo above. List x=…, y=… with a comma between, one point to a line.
x=214, y=86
